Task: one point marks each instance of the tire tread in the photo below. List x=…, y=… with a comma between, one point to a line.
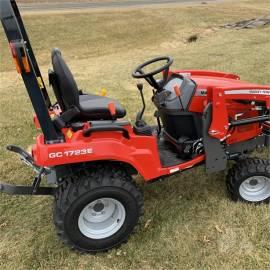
x=85, y=180
x=243, y=169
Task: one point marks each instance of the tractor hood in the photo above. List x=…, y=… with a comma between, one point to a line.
x=206, y=79
x=213, y=82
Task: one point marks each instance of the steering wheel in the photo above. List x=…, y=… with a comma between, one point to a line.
x=138, y=73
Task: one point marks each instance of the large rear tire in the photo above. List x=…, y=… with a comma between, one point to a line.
x=97, y=208
x=249, y=181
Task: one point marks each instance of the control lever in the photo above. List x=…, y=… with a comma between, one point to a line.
x=177, y=91
x=139, y=121
x=141, y=127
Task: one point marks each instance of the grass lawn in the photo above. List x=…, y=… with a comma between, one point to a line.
x=191, y=223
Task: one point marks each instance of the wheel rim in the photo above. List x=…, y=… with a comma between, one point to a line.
x=255, y=189
x=101, y=218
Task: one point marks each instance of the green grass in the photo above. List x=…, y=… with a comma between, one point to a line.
x=192, y=223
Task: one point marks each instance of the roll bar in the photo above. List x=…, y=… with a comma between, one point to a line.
x=27, y=66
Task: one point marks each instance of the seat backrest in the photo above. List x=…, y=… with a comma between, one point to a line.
x=54, y=85
x=64, y=80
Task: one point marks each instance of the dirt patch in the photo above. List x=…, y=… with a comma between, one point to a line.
x=201, y=34
x=192, y=38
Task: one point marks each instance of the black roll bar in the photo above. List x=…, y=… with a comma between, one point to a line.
x=27, y=66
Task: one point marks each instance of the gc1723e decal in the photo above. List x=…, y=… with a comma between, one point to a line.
x=71, y=153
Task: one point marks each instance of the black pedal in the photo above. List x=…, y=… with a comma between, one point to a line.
x=141, y=128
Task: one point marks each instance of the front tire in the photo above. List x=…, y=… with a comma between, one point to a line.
x=97, y=209
x=249, y=181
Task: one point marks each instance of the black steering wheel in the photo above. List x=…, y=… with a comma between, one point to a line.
x=138, y=73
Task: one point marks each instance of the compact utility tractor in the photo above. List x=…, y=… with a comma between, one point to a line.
x=89, y=154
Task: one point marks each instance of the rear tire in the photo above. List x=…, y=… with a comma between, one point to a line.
x=97, y=209
x=249, y=181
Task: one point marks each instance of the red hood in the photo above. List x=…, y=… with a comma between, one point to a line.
x=204, y=82
x=206, y=79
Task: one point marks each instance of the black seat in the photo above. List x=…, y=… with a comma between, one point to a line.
x=91, y=107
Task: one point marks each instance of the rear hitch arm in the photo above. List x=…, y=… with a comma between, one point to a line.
x=35, y=189
x=27, y=158
x=25, y=190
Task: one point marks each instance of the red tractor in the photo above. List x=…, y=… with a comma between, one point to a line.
x=90, y=155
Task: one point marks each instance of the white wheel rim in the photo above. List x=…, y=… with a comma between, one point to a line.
x=255, y=189
x=101, y=218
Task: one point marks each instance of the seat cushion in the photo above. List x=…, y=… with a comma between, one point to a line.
x=95, y=107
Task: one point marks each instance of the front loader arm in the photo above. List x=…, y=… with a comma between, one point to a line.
x=220, y=118
x=217, y=123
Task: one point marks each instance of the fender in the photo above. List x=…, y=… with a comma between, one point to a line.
x=139, y=151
